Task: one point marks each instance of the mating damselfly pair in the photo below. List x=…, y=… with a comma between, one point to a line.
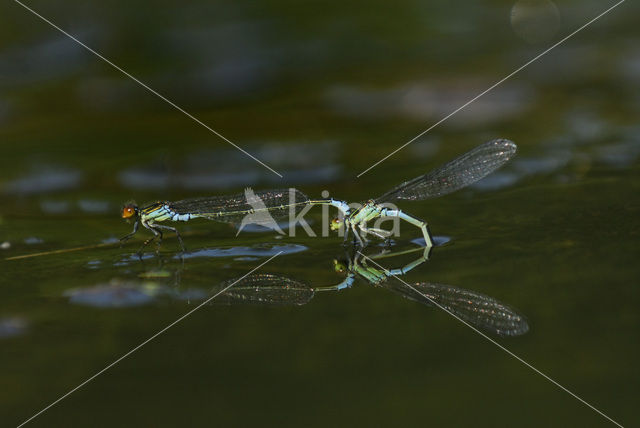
x=262, y=207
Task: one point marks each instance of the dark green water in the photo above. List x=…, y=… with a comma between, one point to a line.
x=319, y=91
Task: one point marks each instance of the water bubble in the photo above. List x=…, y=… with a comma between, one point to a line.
x=535, y=21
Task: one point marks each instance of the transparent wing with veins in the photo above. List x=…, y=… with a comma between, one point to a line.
x=455, y=175
x=475, y=308
x=233, y=208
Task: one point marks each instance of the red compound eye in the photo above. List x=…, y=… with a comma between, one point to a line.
x=128, y=211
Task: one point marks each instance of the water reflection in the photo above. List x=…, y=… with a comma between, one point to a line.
x=255, y=251
x=237, y=252
x=187, y=283
x=477, y=309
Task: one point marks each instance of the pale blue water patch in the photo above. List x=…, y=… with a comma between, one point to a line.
x=569, y=63
x=94, y=206
x=497, y=180
x=94, y=264
x=300, y=162
x=12, y=327
x=33, y=240
x=259, y=228
x=421, y=101
x=134, y=258
x=45, y=179
x=257, y=251
x=115, y=294
x=215, y=180
x=553, y=160
x=55, y=207
x=620, y=155
x=90, y=206
x=592, y=141
x=261, y=250
x=315, y=175
x=437, y=240
x=145, y=177
x=47, y=59
x=536, y=22
x=190, y=294
x=585, y=125
x=110, y=240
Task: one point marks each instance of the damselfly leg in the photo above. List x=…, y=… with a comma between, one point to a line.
x=173, y=229
x=130, y=235
x=157, y=234
x=411, y=220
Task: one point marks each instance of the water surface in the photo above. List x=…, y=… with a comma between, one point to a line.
x=319, y=92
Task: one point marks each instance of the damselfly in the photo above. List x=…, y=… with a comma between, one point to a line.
x=458, y=173
x=262, y=208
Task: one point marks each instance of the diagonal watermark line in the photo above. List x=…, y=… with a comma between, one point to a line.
x=153, y=91
x=149, y=340
x=492, y=341
x=522, y=67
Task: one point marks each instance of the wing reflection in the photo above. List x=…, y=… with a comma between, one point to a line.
x=264, y=289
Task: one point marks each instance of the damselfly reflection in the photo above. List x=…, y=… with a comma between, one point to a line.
x=477, y=309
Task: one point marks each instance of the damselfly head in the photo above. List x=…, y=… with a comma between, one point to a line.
x=336, y=223
x=129, y=211
x=339, y=266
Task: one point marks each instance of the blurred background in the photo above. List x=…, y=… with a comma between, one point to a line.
x=319, y=91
